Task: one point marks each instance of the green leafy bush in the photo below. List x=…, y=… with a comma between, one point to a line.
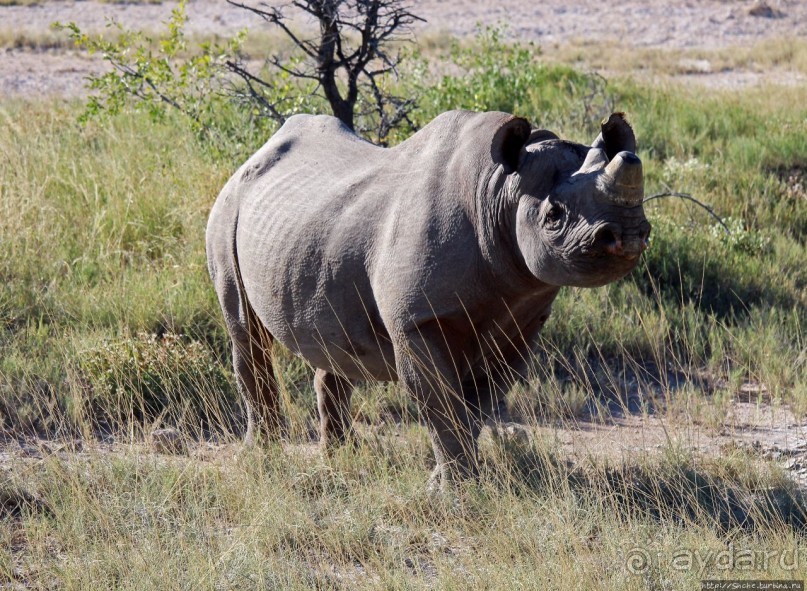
x=233, y=105
x=741, y=238
x=160, y=74
x=493, y=74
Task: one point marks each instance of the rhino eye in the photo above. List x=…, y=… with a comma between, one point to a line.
x=554, y=215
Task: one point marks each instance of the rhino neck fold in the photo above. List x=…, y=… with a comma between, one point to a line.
x=495, y=207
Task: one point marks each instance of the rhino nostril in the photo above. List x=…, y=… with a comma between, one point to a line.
x=609, y=239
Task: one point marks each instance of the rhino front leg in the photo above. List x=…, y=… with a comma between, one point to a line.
x=453, y=433
x=333, y=402
x=428, y=372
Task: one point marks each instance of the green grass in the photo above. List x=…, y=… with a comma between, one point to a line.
x=108, y=222
x=106, y=240
x=109, y=327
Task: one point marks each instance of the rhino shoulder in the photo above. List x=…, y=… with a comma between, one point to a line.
x=305, y=137
x=306, y=122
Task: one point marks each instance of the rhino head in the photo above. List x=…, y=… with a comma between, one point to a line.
x=579, y=216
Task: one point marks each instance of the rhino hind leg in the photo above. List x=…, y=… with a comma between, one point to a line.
x=252, y=362
x=333, y=402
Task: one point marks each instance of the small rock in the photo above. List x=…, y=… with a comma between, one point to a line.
x=693, y=66
x=72, y=446
x=439, y=543
x=30, y=451
x=168, y=441
x=421, y=566
x=794, y=465
x=511, y=432
x=764, y=10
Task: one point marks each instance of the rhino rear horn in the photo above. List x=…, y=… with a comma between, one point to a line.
x=616, y=136
x=508, y=141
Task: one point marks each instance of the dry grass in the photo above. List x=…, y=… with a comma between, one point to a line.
x=613, y=58
x=30, y=41
x=122, y=516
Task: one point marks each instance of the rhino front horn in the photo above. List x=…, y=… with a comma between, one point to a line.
x=622, y=182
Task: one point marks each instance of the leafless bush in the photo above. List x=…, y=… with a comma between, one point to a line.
x=350, y=61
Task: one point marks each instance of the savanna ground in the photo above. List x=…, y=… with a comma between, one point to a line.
x=659, y=441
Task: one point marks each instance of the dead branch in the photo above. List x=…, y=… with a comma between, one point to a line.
x=345, y=59
x=689, y=197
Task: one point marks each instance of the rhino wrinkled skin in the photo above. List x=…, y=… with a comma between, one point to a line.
x=434, y=263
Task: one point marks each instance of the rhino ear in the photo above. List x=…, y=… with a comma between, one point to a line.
x=508, y=141
x=616, y=136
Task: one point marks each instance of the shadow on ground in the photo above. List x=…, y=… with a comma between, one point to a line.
x=677, y=488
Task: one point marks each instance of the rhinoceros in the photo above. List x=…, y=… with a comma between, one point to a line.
x=433, y=263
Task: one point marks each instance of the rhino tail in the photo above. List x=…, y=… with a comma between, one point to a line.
x=251, y=341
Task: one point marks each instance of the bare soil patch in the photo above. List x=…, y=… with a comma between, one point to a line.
x=759, y=429
x=632, y=25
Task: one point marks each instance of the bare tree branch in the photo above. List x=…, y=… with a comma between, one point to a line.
x=294, y=72
x=689, y=197
x=346, y=60
x=254, y=94
x=275, y=17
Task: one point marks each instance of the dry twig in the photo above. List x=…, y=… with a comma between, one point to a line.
x=689, y=197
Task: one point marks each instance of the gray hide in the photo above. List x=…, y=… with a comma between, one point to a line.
x=433, y=263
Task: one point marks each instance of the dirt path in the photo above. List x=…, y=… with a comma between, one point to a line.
x=760, y=430
x=631, y=24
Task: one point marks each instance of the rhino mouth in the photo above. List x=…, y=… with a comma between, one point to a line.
x=602, y=270
x=610, y=240
x=608, y=254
